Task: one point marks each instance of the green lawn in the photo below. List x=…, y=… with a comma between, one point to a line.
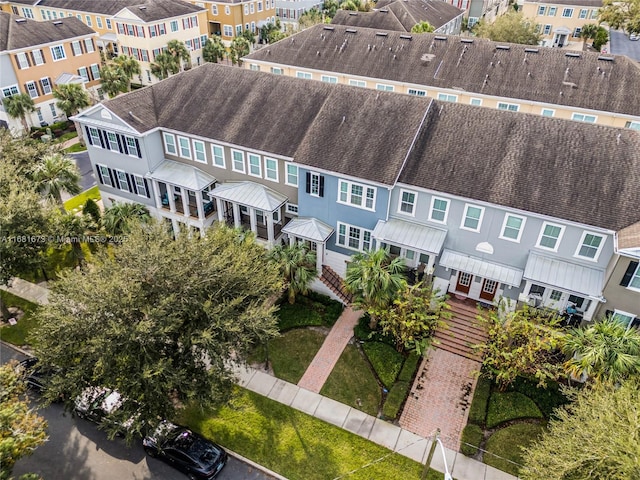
x=386, y=361
x=76, y=147
x=17, y=334
x=505, y=406
x=312, y=310
x=81, y=199
x=295, y=444
x=505, y=446
x=351, y=382
x=66, y=136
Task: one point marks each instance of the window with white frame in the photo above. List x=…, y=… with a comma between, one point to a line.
x=305, y=75
x=27, y=13
x=357, y=83
x=251, y=8
x=547, y=29
x=95, y=137
x=238, y=161
x=112, y=139
x=40, y=116
x=88, y=18
x=105, y=178
x=590, y=245
x=227, y=10
x=58, y=53
x=541, y=10
x=259, y=6
x=329, y=79
x=84, y=73
x=88, y=45
x=238, y=30
x=199, y=154
x=108, y=23
x=292, y=208
x=21, y=58
x=255, y=166
x=32, y=89
x=52, y=107
x=567, y=12
x=472, y=218
x=76, y=48
x=385, y=88
x=95, y=71
x=132, y=147
x=214, y=9
x=407, y=202
x=356, y=194
x=227, y=30
x=439, y=209
x=548, y=112
x=447, y=97
x=512, y=227
x=292, y=175
x=550, y=236
x=173, y=25
x=633, y=125
x=254, y=67
x=512, y=107
x=184, y=147
x=625, y=318
x=581, y=117
x=37, y=57
x=552, y=11
x=277, y=70
x=271, y=169
x=475, y=101
x=417, y=93
x=352, y=237
x=170, y=143
x=141, y=188
x=631, y=277
x=594, y=14
x=99, y=22
x=122, y=180
x=10, y=91
x=315, y=182
x=218, y=156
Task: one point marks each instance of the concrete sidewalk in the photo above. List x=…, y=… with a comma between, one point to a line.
x=27, y=290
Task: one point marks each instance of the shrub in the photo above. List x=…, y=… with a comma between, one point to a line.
x=363, y=333
x=471, y=438
x=409, y=368
x=547, y=399
x=297, y=315
x=478, y=410
x=91, y=208
x=510, y=406
x=386, y=361
x=506, y=446
x=395, y=399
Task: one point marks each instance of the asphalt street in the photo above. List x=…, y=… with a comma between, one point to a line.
x=78, y=450
x=620, y=44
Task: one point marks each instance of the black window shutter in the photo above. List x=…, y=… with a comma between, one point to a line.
x=631, y=269
x=322, y=185
x=120, y=143
x=33, y=59
x=113, y=177
x=89, y=139
x=18, y=62
x=130, y=181
x=608, y=313
x=103, y=137
x=138, y=148
x=100, y=133
x=308, y=182
x=146, y=187
x=99, y=175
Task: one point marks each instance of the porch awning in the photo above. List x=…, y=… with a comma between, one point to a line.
x=182, y=175
x=66, y=78
x=492, y=271
x=562, y=30
x=309, y=229
x=563, y=275
x=410, y=235
x=250, y=194
x=108, y=37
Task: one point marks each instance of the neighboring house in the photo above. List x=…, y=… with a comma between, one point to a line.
x=403, y=15
x=290, y=11
x=229, y=18
x=485, y=10
x=585, y=87
x=622, y=290
x=561, y=22
x=138, y=28
x=494, y=204
x=35, y=57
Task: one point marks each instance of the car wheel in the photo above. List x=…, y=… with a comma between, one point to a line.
x=151, y=452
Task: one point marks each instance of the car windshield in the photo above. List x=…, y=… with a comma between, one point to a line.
x=203, y=452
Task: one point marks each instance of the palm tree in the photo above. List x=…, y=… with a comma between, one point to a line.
x=165, y=65
x=72, y=97
x=374, y=279
x=117, y=219
x=588, y=31
x=73, y=227
x=129, y=66
x=606, y=350
x=214, y=50
x=422, y=27
x=178, y=50
x=240, y=47
x=113, y=80
x=17, y=106
x=55, y=173
x=297, y=265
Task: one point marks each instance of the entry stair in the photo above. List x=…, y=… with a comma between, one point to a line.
x=332, y=280
x=463, y=330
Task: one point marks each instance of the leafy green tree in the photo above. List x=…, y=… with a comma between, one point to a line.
x=356, y=5
x=57, y=173
x=605, y=351
x=214, y=50
x=72, y=97
x=271, y=32
x=511, y=27
x=240, y=47
x=601, y=38
x=298, y=267
x=310, y=18
x=164, y=65
x=524, y=342
x=159, y=319
x=374, y=280
x=113, y=80
x=19, y=106
x=422, y=27
x=72, y=227
x=330, y=7
x=594, y=437
x=589, y=31
x=92, y=209
x=621, y=14
x=178, y=50
x=413, y=316
x=119, y=217
x=250, y=36
x=129, y=67
x=22, y=430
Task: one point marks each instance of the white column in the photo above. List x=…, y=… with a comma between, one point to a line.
x=270, y=235
x=252, y=220
x=292, y=240
x=185, y=201
x=156, y=194
x=200, y=206
x=593, y=305
x=170, y=194
x=236, y=216
x=220, y=212
x=319, y=257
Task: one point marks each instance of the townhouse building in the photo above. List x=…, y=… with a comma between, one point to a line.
x=138, y=28
x=581, y=86
x=35, y=57
x=403, y=15
x=560, y=23
x=493, y=205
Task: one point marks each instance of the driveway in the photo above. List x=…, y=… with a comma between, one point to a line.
x=88, y=178
x=619, y=44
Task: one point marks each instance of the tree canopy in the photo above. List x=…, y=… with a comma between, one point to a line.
x=422, y=27
x=240, y=47
x=19, y=106
x=72, y=97
x=214, y=50
x=159, y=319
x=298, y=267
x=623, y=14
x=511, y=27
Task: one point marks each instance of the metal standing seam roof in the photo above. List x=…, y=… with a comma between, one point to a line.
x=308, y=228
x=492, y=271
x=66, y=78
x=411, y=235
x=565, y=275
x=250, y=194
x=182, y=175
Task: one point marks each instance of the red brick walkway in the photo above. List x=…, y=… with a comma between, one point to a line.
x=330, y=351
x=441, y=396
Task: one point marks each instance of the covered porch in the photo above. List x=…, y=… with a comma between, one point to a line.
x=313, y=233
x=251, y=206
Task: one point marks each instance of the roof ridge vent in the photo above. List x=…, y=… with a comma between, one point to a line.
x=384, y=10
x=466, y=40
x=353, y=14
x=503, y=47
x=142, y=7
x=606, y=59
x=406, y=37
x=351, y=30
x=532, y=50
x=21, y=20
x=572, y=54
x=381, y=34
x=58, y=22
x=440, y=37
x=328, y=27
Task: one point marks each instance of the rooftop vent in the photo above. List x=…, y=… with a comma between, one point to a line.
x=406, y=37
x=351, y=30
x=532, y=50
x=503, y=47
x=142, y=7
x=327, y=27
x=58, y=22
x=353, y=14
x=572, y=54
x=384, y=10
x=381, y=34
x=466, y=40
x=21, y=20
x=440, y=37
x=606, y=59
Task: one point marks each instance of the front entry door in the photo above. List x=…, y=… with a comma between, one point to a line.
x=489, y=288
x=464, y=282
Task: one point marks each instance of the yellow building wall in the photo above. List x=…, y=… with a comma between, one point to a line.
x=552, y=17
x=250, y=13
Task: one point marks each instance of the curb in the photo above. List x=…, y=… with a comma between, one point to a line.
x=4, y=344
x=255, y=465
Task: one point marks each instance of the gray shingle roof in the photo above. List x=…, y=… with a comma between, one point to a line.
x=320, y=125
x=153, y=9
x=375, y=19
x=29, y=33
x=521, y=72
x=581, y=172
